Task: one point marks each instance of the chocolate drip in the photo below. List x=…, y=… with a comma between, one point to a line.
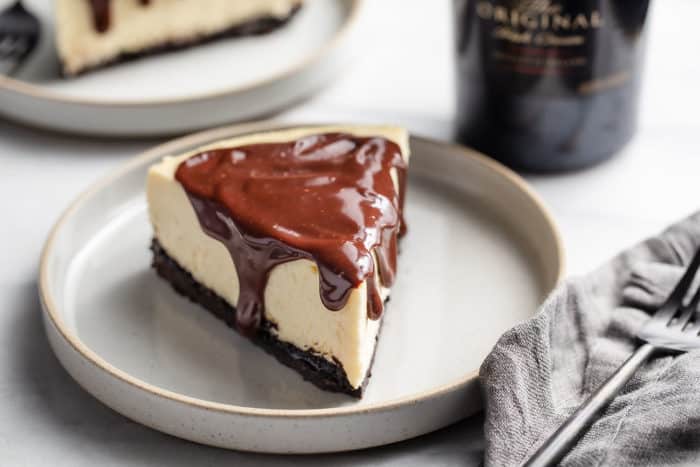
x=102, y=13
x=328, y=198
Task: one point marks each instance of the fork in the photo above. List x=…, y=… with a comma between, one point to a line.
x=20, y=32
x=669, y=329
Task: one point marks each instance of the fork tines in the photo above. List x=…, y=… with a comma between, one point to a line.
x=13, y=47
x=675, y=325
x=20, y=32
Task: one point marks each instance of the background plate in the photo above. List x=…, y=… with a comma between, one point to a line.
x=227, y=80
x=480, y=255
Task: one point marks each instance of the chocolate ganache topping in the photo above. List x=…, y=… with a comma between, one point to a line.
x=102, y=13
x=329, y=198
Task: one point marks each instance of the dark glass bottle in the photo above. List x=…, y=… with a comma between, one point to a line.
x=548, y=85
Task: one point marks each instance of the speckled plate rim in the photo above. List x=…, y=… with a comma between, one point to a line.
x=35, y=91
x=51, y=309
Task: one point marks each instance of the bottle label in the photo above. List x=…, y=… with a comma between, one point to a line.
x=549, y=47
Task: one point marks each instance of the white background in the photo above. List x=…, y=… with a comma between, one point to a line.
x=405, y=77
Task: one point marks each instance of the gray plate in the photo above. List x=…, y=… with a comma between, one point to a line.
x=481, y=254
x=254, y=76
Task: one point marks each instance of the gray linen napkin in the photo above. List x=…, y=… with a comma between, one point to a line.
x=540, y=371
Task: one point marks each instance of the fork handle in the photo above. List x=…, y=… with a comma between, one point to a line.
x=562, y=440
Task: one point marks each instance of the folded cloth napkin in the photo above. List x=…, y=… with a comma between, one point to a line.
x=542, y=370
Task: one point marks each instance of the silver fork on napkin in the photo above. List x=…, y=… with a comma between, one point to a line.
x=673, y=327
x=19, y=35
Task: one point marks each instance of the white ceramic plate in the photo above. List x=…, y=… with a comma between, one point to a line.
x=480, y=255
x=207, y=85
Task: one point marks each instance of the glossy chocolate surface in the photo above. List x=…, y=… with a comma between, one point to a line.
x=329, y=198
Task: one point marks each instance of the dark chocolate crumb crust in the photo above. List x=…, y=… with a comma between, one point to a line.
x=254, y=27
x=312, y=367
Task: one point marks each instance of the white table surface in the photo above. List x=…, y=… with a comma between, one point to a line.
x=406, y=77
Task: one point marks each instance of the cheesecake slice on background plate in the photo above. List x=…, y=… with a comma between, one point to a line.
x=94, y=33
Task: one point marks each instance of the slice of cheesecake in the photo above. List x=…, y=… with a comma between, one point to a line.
x=94, y=33
x=290, y=237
